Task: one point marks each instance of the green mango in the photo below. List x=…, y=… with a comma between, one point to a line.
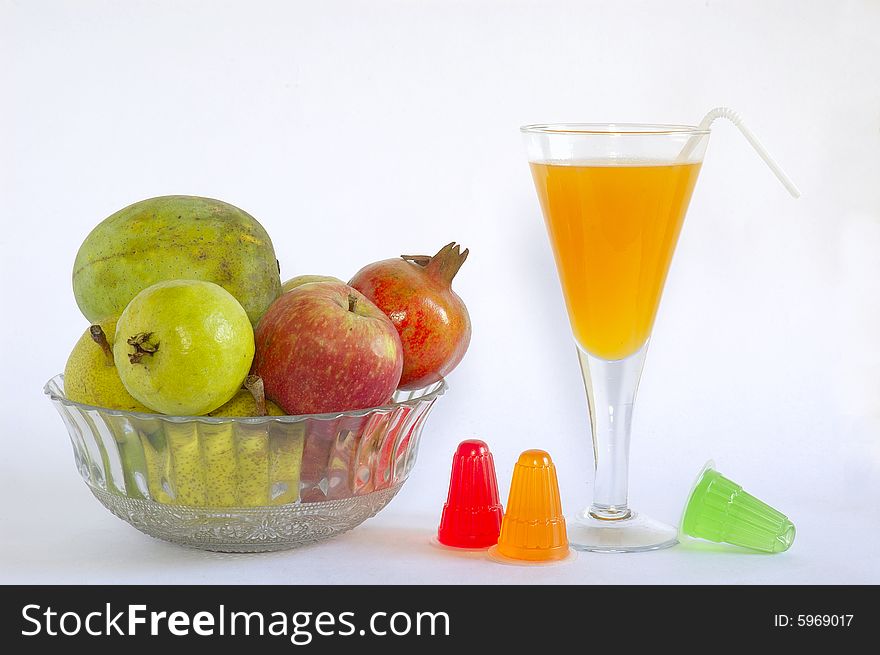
x=170, y=238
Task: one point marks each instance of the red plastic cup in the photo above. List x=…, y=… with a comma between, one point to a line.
x=472, y=513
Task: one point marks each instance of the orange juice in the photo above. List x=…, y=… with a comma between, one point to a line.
x=613, y=227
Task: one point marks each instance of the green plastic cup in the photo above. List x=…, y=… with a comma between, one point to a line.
x=719, y=510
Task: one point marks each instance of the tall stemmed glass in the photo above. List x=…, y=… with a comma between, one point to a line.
x=614, y=197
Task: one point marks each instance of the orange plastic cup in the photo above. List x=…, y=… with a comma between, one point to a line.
x=533, y=528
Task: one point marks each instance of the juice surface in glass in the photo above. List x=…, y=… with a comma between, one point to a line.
x=613, y=226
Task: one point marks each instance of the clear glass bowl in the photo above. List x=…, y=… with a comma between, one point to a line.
x=245, y=484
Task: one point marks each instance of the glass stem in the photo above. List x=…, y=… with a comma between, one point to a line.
x=611, y=393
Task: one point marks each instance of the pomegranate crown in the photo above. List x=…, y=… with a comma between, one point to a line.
x=445, y=264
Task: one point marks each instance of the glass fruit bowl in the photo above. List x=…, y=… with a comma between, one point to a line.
x=246, y=484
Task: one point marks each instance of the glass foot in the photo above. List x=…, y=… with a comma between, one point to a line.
x=634, y=534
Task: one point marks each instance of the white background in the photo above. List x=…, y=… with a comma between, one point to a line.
x=355, y=131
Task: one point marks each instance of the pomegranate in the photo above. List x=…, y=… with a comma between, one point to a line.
x=415, y=292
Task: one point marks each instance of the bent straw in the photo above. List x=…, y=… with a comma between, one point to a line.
x=733, y=117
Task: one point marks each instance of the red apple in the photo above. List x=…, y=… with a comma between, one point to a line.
x=323, y=347
x=416, y=294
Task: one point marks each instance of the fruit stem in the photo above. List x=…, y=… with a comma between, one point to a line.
x=254, y=384
x=352, y=302
x=98, y=336
x=447, y=262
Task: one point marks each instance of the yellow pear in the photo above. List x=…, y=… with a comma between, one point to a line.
x=236, y=464
x=241, y=463
x=90, y=376
x=300, y=280
x=243, y=404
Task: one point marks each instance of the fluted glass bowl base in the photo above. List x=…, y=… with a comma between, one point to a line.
x=246, y=529
x=635, y=534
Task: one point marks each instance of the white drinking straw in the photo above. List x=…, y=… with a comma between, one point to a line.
x=733, y=117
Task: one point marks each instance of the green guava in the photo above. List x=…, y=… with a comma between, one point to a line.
x=183, y=347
